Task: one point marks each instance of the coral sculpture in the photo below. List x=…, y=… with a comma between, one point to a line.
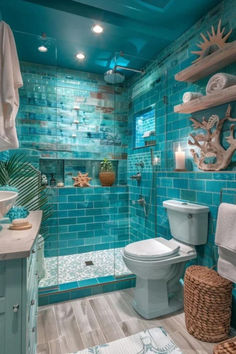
x=82, y=180
x=216, y=41
x=209, y=143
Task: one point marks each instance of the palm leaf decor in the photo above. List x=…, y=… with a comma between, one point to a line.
x=19, y=173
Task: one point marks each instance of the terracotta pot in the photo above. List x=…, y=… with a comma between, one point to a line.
x=107, y=178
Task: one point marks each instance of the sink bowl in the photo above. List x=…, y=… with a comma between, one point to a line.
x=7, y=200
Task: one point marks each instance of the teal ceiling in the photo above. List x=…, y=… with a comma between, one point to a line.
x=138, y=28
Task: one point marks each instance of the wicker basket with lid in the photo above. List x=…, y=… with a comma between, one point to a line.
x=207, y=304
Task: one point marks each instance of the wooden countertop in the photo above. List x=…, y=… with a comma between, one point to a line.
x=17, y=244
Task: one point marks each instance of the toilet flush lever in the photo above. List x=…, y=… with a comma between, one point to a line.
x=190, y=216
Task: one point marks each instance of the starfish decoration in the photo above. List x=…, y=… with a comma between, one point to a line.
x=82, y=180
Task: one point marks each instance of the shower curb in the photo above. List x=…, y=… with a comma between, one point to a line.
x=53, y=295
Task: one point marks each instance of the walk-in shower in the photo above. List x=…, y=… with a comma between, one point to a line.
x=69, y=121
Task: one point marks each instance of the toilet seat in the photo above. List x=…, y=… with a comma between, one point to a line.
x=153, y=249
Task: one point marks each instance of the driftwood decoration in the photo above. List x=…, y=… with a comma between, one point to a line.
x=82, y=180
x=209, y=143
x=215, y=41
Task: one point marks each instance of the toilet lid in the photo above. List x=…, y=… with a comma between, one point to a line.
x=151, y=249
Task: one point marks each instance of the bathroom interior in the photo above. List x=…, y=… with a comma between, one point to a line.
x=143, y=92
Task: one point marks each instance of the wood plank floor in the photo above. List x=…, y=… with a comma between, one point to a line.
x=74, y=325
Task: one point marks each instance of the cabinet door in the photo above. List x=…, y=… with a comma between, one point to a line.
x=10, y=306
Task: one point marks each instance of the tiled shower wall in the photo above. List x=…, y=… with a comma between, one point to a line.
x=68, y=118
x=159, y=87
x=68, y=122
x=87, y=219
x=71, y=114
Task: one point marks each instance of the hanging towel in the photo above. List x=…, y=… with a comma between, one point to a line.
x=10, y=82
x=227, y=264
x=189, y=96
x=226, y=227
x=220, y=81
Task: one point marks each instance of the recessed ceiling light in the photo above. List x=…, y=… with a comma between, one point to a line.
x=42, y=49
x=97, y=29
x=80, y=56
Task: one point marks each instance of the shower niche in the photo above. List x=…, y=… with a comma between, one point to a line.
x=62, y=170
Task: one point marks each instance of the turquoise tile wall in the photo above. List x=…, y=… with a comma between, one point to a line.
x=71, y=114
x=69, y=121
x=158, y=87
x=87, y=219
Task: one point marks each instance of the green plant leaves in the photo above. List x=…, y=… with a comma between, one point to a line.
x=19, y=173
x=106, y=166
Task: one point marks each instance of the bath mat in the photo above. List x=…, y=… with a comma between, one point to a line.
x=154, y=340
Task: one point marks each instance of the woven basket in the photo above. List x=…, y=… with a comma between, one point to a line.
x=226, y=347
x=207, y=304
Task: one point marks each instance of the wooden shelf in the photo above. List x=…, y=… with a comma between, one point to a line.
x=204, y=102
x=209, y=64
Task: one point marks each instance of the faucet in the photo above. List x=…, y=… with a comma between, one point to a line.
x=141, y=201
x=138, y=177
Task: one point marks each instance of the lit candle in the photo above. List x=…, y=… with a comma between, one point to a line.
x=180, y=159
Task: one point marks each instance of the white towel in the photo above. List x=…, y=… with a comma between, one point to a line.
x=220, y=81
x=227, y=264
x=226, y=227
x=189, y=96
x=148, y=133
x=10, y=82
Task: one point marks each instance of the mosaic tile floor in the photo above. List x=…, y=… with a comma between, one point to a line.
x=66, y=269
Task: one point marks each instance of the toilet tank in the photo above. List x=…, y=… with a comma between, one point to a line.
x=188, y=221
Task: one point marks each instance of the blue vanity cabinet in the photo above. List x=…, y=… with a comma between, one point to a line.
x=10, y=297
x=18, y=305
x=19, y=290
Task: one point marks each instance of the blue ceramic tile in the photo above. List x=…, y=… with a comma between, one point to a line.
x=102, y=280
x=88, y=282
x=68, y=286
x=43, y=300
x=76, y=294
x=59, y=297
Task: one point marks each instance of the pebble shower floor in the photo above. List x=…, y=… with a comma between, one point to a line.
x=73, y=268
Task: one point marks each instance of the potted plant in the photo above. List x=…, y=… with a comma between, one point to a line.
x=107, y=175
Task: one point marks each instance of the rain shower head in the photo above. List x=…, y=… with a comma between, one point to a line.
x=114, y=77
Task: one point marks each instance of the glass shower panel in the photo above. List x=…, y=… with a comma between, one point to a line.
x=37, y=129
x=85, y=135
x=138, y=96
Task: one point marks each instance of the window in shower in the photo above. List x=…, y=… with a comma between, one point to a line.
x=144, y=127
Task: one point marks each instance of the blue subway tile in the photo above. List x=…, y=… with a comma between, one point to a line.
x=88, y=282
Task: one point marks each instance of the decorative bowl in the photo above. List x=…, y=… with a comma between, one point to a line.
x=7, y=200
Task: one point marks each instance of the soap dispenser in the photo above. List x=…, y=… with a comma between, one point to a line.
x=52, y=181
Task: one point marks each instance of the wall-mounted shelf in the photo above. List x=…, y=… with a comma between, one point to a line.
x=204, y=102
x=209, y=64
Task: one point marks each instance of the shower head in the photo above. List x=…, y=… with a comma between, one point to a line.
x=114, y=77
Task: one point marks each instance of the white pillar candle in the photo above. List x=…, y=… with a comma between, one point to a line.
x=180, y=159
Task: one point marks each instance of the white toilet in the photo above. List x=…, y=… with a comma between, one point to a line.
x=159, y=263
